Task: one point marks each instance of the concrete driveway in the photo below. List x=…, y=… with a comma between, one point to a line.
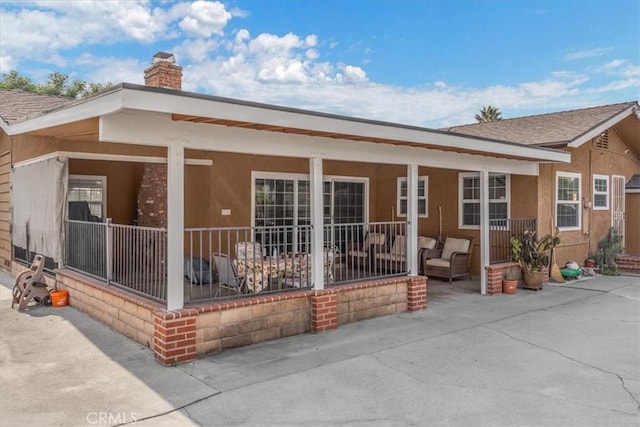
x=566, y=355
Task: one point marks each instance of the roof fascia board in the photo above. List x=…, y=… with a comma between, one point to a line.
x=125, y=128
x=108, y=157
x=139, y=99
x=93, y=107
x=590, y=134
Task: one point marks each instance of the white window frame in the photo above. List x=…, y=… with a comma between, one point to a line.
x=424, y=199
x=605, y=193
x=102, y=178
x=305, y=177
x=577, y=203
x=462, y=201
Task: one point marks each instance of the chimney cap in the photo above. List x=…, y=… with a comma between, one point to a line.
x=164, y=57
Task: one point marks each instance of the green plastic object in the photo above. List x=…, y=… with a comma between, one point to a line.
x=569, y=273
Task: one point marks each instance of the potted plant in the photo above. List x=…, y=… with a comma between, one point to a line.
x=532, y=255
x=511, y=277
x=606, y=253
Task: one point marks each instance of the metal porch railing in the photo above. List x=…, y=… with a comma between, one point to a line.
x=500, y=233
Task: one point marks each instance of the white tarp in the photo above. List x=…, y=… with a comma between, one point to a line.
x=38, y=200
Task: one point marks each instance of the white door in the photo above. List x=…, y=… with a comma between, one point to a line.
x=617, y=204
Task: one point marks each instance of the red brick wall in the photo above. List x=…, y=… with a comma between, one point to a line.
x=152, y=197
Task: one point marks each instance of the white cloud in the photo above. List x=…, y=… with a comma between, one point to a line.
x=589, y=53
x=205, y=18
x=287, y=69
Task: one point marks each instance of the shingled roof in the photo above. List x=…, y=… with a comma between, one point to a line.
x=551, y=129
x=17, y=105
x=634, y=182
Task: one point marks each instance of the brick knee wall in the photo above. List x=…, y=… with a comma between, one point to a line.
x=495, y=274
x=181, y=335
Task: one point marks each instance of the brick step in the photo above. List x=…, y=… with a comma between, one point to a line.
x=629, y=263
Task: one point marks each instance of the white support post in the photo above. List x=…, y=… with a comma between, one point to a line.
x=175, y=225
x=317, y=221
x=412, y=219
x=484, y=230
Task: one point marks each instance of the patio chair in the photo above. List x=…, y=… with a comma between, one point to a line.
x=452, y=261
x=394, y=260
x=227, y=274
x=251, y=266
x=362, y=255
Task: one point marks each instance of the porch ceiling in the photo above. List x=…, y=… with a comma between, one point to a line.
x=335, y=135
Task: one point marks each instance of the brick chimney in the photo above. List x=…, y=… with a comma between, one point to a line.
x=152, y=195
x=164, y=72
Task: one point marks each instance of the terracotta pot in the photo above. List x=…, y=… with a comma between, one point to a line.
x=589, y=263
x=509, y=286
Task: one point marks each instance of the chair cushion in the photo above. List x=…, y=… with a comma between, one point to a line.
x=399, y=246
x=451, y=245
x=385, y=256
x=438, y=262
x=358, y=254
x=426, y=242
x=249, y=250
x=374, y=239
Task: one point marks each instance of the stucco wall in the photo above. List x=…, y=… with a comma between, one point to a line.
x=586, y=160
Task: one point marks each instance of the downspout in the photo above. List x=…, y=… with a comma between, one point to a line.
x=592, y=195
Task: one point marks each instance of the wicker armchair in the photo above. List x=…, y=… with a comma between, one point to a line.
x=452, y=261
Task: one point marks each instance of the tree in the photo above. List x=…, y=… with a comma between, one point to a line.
x=13, y=80
x=488, y=114
x=56, y=84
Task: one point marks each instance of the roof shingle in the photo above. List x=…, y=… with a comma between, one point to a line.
x=17, y=105
x=544, y=129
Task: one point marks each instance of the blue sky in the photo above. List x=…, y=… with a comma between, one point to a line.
x=428, y=63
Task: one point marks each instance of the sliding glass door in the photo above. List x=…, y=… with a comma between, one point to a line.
x=285, y=200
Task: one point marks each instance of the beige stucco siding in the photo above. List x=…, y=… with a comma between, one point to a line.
x=586, y=160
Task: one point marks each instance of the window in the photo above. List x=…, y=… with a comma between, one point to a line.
x=285, y=200
x=469, y=194
x=568, y=194
x=600, y=192
x=87, y=191
x=423, y=188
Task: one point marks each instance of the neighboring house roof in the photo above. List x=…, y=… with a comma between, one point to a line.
x=554, y=129
x=634, y=183
x=17, y=105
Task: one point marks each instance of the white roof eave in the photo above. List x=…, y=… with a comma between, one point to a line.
x=589, y=135
x=132, y=97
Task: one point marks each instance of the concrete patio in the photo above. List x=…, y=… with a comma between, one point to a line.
x=566, y=355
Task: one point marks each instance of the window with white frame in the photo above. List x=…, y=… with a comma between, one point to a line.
x=600, y=192
x=469, y=197
x=86, y=195
x=423, y=191
x=568, y=196
x=282, y=200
